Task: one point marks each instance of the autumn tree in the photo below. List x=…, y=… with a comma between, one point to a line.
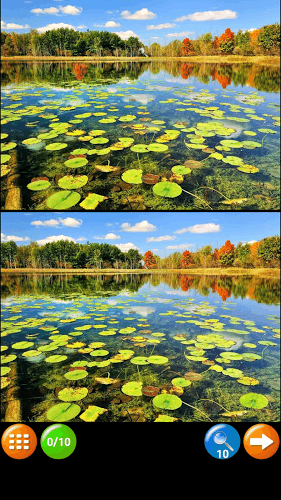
x=269, y=251
x=226, y=254
x=149, y=260
x=186, y=260
x=226, y=42
x=187, y=48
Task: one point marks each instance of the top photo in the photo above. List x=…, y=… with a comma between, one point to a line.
x=140, y=106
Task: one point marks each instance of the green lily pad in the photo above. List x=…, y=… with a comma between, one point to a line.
x=99, y=140
x=181, y=382
x=231, y=356
x=5, y=169
x=5, y=158
x=139, y=360
x=157, y=360
x=76, y=162
x=158, y=148
x=167, y=189
x=56, y=146
x=31, y=141
x=181, y=169
x=92, y=413
x=62, y=200
x=248, y=169
x=132, y=388
x=63, y=412
x=76, y=374
x=38, y=185
x=231, y=143
x=254, y=400
x=72, y=181
x=251, y=144
x=7, y=146
x=127, y=118
x=167, y=401
x=132, y=176
x=248, y=381
x=92, y=201
x=22, y=345
x=56, y=358
x=72, y=393
x=139, y=148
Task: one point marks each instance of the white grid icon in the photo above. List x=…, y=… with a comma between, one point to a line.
x=20, y=442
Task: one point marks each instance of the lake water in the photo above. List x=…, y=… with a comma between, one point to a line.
x=140, y=136
x=140, y=348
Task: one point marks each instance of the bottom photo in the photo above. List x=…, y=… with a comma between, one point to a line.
x=140, y=317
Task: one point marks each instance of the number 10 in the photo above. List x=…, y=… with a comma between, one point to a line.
x=225, y=453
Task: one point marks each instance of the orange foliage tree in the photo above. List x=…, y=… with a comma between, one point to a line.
x=187, y=47
x=226, y=254
x=226, y=42
x=186, y=260
x=80, y=70
x=149, y=260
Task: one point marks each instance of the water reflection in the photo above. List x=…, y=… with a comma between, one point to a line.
x=260, y=77
x=261, y=290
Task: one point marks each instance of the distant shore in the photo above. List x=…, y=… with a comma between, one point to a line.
x=230, y=271
x=229, y=59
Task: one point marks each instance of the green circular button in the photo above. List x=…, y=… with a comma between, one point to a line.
x=58, y=441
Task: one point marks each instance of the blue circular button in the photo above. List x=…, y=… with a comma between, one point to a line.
x=222, y=441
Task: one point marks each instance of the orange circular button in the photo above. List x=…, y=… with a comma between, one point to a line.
x=19, y=441
x=261, y=441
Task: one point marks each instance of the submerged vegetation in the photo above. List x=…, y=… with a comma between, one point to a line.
x=122, y=355
x=145, y=145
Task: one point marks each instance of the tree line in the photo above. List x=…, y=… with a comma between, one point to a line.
x=64, y=254
x=68, y=42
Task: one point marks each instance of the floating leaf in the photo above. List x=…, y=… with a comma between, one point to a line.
x=62, y=200
x=181, y=382
x=181, y=169
x=92, y=201
x=132, y=176
x=167, y=189
x=167, y=402
x=253, y=400
x=63, y=412
x=72, y=181
x=56, y=146
x=92, y=413
x=76, y=162
x=38, y=185
x=248, y=169
x=72, y=394
x=132, y=388
x=76, y=374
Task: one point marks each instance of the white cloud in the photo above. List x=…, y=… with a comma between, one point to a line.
x=69, y=222
x=112, y=236
x=47, y=10
x=139, y=227
x=182, y=34
x=210, y=227
x=160, y=26
x=209, y=15
x=51, y=239
x=6, y=238
x=68, y=9
x=111, y=24
x=139, y=15
x=180, y=247
x=55, y=26
x=124, y=35
x=161, y=238
x=71, y=10
x=13, y=26
x=125, y=247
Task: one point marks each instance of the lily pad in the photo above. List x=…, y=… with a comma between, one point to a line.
x=253, y=400
x=73, y=393
x=132, y=388
x=92, y=201
x=72, y=181
x=56, y=146
x=92, y=413
x=167, y=401
x=62, y=200
x=63, y=412
x=181, y=169
x=248, y=169
x=167, y=189
x=76, y=162
x=38, y=185
x=132, y=176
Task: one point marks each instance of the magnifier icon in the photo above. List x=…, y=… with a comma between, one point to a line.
x=220, y=438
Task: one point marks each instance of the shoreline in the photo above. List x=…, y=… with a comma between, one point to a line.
x=258, y=272
x=231, y=59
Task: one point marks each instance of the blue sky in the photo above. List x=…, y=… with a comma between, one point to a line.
x=162, y=233
x=153, y=21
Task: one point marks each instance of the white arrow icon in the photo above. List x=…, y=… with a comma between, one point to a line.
x=264, y=441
